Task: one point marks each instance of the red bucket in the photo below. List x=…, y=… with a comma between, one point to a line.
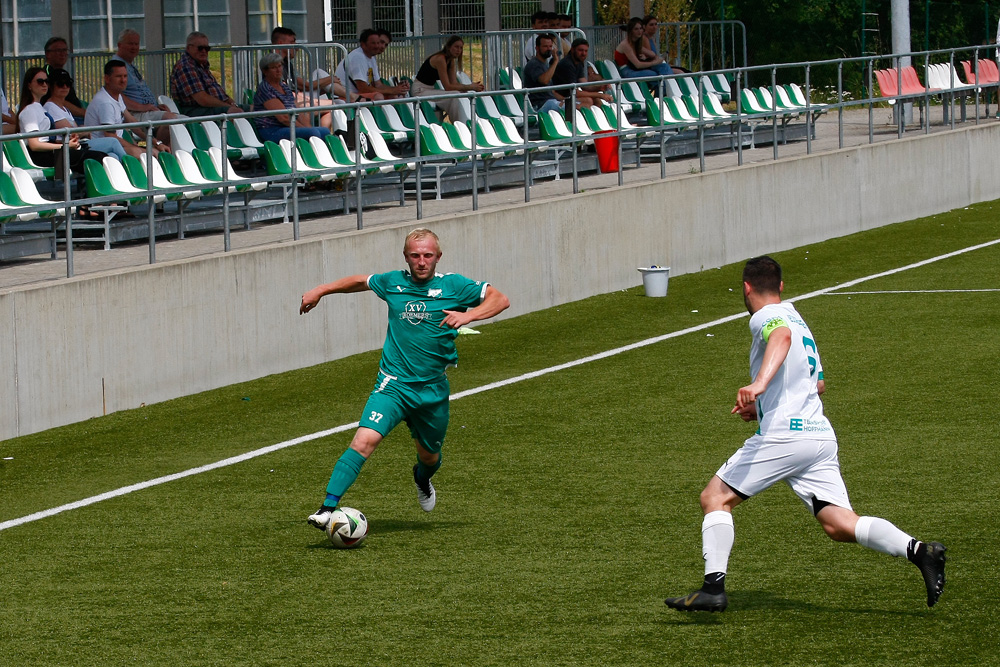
x=607, y=151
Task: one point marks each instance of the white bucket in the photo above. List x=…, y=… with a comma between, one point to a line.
x=654, y=280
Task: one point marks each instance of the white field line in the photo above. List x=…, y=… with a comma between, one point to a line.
x=469, y=392
x=918, y=291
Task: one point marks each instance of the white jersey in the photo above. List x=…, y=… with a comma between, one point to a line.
x=790, y=408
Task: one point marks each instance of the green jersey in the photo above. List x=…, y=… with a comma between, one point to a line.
x=418, y=348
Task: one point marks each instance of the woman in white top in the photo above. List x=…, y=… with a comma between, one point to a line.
x=54, y=103
x=32, y=118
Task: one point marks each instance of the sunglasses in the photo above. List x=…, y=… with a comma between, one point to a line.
x=63, y=84
x=203, y=48
x=42, y=82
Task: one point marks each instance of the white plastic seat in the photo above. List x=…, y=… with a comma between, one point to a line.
x=160, y=180
x=27, y=191
x=216, y=155
x=369, y=120
x=492, y=138
x=214, y=133
x=119, y=180
x=300, y=164
x=246, y=133
x=169, y=103
x=191, y=172
x=180, y=139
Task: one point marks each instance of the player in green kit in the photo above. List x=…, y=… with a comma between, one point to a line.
x=426, y=309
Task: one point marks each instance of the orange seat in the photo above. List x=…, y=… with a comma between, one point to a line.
x=887, y=82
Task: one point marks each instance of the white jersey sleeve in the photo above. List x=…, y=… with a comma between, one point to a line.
x=790, y=408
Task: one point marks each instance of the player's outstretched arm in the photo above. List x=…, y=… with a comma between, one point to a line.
x=778, y=344
x=346, y=285
x=493, y=303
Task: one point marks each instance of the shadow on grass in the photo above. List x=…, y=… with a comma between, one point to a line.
x=397, y=526
x=751, y=601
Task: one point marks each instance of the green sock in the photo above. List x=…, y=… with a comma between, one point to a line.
x=344, y=473
x=425, y=471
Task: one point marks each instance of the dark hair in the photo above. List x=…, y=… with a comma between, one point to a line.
x=366, y=33
x=60, y=77
x=112, y=65
x=649, y=17
x=540, y=15
x=281, y=30
x=26, y=96
x=636, y=45
x=382, y=32
x=564, y=17
x=54, y=40
x=763, y=274
x=579, y=41
x=541, y=36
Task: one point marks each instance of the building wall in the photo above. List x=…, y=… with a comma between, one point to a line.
x=81, y=347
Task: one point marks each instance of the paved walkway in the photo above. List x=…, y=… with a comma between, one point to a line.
x=34, y=270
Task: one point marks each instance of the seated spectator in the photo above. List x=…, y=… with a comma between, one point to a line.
x=573, y=69
x=139, y=99
x=56, y=56
x=307, y=93
x=539, y=71
x=539, y=22
x=563, y=22
x=43, y=150
x=192, y=85
x=385, y=37
x=274, y=94
x=444, y=66
x=634, y=58
x=9, y=121
x=54, y=103
x=108, y=108
x=359, y=70
x=651, y=33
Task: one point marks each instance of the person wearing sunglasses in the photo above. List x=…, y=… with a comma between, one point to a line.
x=54, y=103
x=56, y=57
x=192, y=84
x=31, y=117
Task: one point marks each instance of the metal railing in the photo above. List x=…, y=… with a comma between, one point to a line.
x=698, y=131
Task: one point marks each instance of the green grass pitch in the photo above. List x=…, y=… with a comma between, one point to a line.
x=568, y=503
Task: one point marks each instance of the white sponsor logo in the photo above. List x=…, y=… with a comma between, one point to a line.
x=433, y=293
x=415, y=312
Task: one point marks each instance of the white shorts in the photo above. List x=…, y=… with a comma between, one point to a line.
x=810, y=467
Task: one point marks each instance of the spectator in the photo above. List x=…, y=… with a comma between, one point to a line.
x=385, y=37
x=54, y=103
x=56, y=56
x=359, y=70
x=443, y=66
x=563, y=22
x=651, y=31
x=43, y=151
x=274, y=94
x=192, y=85
x=539, y=22
x=573, y=69
x=539, y=71
x=307, y=93
x=108, y=108
x=633, y=58
x=139, y=99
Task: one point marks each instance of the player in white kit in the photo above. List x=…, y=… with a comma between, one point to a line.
x=794, y=443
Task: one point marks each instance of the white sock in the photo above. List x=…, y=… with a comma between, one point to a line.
x=881, y=535
x=717, y=537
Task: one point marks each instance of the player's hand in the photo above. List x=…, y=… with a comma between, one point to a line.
x=748, y=413
x=455, y=319
x=745, y=397
x=309, y=301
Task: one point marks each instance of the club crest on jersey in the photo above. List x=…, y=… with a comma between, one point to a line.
x=415, y=312
x=433, y=293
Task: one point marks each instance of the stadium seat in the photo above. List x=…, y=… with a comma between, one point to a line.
x=325, y=158
x=119, y=180
x=99, y=185
x=434, y=142
x=169, y=103
x=136, y=170
x=180, y=139
x=10, y=200
x=304, y=164
x=210, y=164
x=390, y=136
x=17, y=155
x=174, y=173
x=24, y=188
x=342, y=156
x=214, y=136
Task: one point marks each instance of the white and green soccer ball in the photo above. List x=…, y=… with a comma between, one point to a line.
x=347, y=528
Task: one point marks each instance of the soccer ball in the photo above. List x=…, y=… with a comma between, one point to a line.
x=347, y=528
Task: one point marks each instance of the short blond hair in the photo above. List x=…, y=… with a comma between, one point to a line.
x=421, y=233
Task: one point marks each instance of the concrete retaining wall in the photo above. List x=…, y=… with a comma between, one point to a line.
x=84, y=347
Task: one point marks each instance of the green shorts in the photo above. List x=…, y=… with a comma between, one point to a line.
x=422, y=405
